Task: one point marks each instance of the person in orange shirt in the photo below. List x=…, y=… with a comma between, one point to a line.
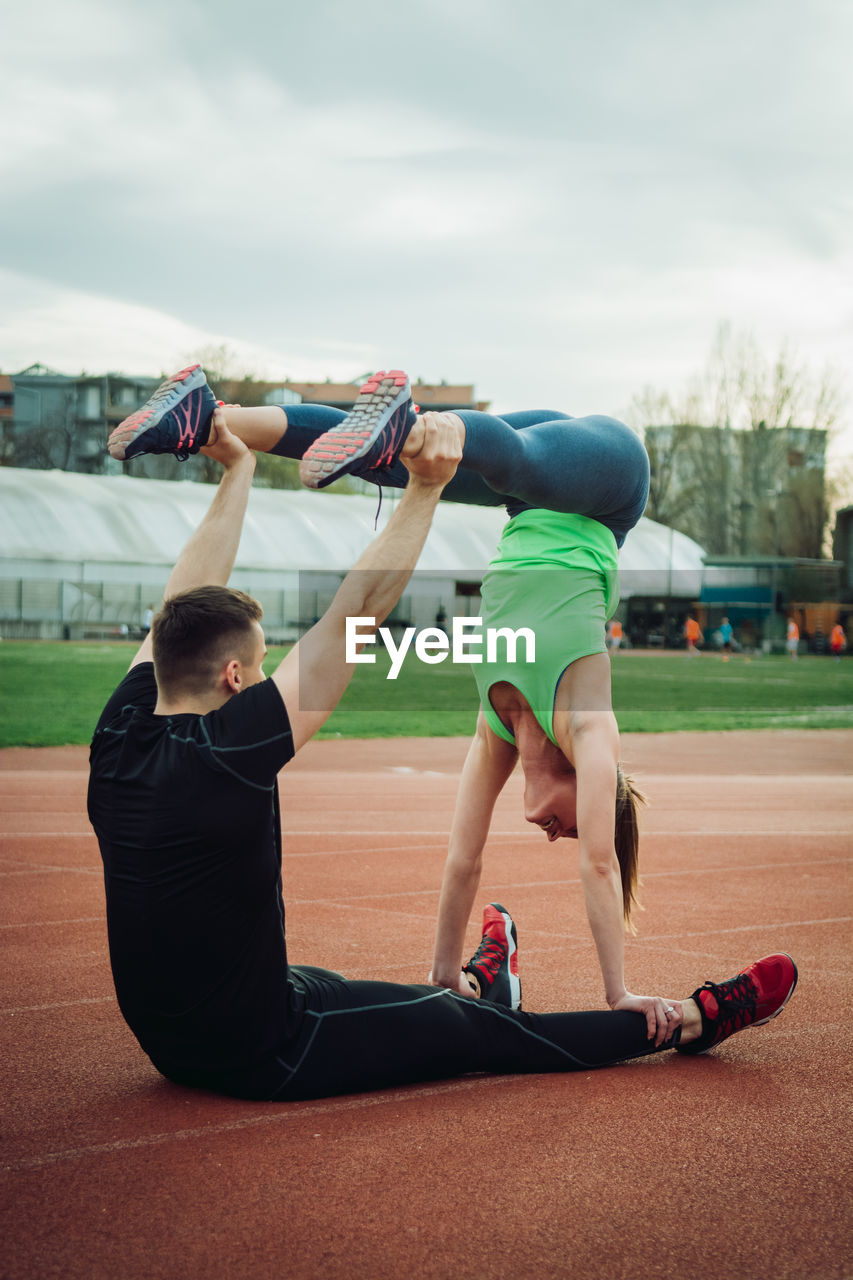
x=837, y=641
x=694, y=635
x=614, y=635
x=793, y=641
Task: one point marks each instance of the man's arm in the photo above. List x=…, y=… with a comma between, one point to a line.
x=315, y=673
x=208, y=557
x=489, y=763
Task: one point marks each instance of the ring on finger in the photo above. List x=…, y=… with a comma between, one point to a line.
x=668, y=1009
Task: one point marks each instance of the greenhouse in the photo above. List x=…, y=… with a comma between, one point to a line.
x=82, y=557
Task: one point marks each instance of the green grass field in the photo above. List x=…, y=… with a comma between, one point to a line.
x=51, y=694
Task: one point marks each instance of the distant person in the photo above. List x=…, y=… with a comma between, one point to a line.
x=693, y=635
x=792, y=640
x=184, y=802
x=147, y=619
x=837, y=641
x=614, y=635
x=441, y=619
x=726, y=636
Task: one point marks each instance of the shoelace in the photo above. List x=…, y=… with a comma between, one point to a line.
x=387, y=455
x=736, y=1002
x=489, y=957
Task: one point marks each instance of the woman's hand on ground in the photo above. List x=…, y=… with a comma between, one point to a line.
x=462, y=987
x=662, y=1015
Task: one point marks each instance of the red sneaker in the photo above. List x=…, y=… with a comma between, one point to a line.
x=746, y=1000
x=495, y=962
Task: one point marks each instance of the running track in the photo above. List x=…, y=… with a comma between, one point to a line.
x=736, y=1165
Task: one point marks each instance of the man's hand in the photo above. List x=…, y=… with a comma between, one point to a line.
x=436, y=461
x=221, y=445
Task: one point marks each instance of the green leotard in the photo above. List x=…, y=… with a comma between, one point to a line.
x=557, y=575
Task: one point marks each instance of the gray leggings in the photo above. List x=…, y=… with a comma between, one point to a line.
x=594, y=466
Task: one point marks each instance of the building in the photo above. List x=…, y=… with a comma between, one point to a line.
x=58, y=421
x=440, y=396
x=752, y=492
x=759, y=593
x=842, y=549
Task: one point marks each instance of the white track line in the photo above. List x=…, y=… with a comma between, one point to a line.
x=345, y=904
x=296, y=1111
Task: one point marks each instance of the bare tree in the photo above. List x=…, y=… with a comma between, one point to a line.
x=734, y=450
x=49, y=443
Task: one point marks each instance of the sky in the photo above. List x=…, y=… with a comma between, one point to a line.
x=559, y=201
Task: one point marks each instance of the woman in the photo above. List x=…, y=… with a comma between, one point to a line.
x=573, y=489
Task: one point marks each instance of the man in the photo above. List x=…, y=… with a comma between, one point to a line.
x=726, y=637
x=837, y=641
x=184, y=802
x=693, y=635
x=792, y=639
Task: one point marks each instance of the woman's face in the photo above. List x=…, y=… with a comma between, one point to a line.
x=551, y=793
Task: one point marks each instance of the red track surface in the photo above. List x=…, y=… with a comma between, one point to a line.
x=729, y=1166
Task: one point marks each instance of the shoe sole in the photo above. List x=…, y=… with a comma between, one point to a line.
x=337, y=451
x=154, y=411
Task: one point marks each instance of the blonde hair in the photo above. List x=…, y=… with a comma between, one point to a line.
x=627, y=839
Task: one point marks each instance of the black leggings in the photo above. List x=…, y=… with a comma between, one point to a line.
x=358, y=1036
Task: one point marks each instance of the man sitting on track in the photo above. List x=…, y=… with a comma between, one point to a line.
x=183, y=798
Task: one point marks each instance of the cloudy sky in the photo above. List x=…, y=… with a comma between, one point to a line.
x=558, y=200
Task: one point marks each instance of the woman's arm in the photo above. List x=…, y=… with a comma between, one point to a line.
x=586, y=730
x=489, y=763
x=595, y=749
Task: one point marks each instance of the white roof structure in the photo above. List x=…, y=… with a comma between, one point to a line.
x=114, y=524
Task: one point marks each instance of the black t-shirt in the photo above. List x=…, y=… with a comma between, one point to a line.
x=186, y=813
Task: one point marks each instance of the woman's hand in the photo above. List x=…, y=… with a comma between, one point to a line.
x=462, y=987
x=662, y=1016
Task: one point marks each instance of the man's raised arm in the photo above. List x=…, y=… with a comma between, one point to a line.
x=208, y=557
x=315, y=673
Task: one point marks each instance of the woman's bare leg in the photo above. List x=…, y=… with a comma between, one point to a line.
x=260, y=428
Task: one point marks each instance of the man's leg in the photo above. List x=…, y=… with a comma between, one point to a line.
x=358, y=1036
x=368, y=1035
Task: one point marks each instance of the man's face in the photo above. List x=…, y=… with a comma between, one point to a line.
x=551, y=794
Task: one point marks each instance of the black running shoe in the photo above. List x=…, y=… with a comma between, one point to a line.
x=749, y=999
x=369, y=439
x=175, y=420
x=495, y=962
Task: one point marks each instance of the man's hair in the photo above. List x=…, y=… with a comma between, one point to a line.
x=627, y=838
x=196, y=631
